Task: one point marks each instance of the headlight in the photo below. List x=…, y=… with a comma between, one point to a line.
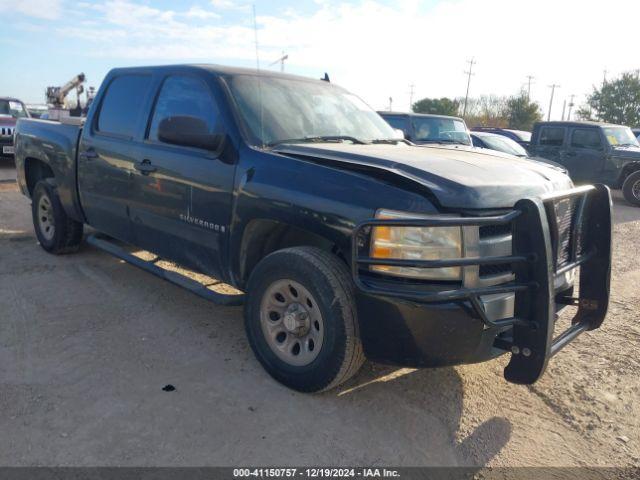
x=416, y=243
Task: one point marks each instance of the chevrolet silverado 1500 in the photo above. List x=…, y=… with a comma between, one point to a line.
x=348, y=242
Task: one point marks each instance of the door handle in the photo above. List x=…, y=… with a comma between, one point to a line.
x=145, y=167
x=89, y=154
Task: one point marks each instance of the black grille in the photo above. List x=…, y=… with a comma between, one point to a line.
x=567, y=212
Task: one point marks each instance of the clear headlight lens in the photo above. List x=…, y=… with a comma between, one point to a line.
x=416, y=243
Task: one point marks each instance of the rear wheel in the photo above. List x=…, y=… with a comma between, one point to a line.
x=300, y=319
x=631, y=189
x=56, y=232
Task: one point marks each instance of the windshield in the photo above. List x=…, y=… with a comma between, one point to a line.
x=12, y=108
x=621, y=136
x=504, y=144
x=440, y=130
x=282, y=109
x=522, y=135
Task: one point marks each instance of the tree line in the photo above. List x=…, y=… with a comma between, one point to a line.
x=516, y=112
x=616, y=101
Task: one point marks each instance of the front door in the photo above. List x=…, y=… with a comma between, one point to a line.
x=107, y=153
x=584, y=155
x=181, y=196
x=550, y=143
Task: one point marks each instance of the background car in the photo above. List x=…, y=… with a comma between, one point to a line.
x=520, y=136
x=493, y=141
x=10, y=110
x=636, y=132
x=423, y=129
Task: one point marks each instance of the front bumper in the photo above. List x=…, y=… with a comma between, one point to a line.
x=418, y=325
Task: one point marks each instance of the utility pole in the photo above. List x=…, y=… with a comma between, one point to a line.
x=529, y=78
x=469, y=72
x=411, y=89
x=564, y=108
x=604, y=77
x=571, y=97
x=553, y=90
x=281, y=61
x=390, y=104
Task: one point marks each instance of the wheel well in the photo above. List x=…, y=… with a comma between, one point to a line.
x=262, y=237
x=34, y=171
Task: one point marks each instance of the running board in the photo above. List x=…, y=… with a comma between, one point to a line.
x=173, y=277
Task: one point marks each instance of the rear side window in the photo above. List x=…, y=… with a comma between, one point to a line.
x=552, y=136
x=586, y=138
x=123, y=104
x=185, y=96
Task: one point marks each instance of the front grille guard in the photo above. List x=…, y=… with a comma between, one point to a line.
x=534, y=260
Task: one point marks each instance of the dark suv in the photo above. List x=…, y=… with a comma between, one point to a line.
x=592, y=152
x=422, y=128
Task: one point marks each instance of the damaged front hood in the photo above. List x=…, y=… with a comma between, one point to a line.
x=459, y=178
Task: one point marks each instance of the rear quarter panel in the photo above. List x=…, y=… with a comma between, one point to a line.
x=54, y=144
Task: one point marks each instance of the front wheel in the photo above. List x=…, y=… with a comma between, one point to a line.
x=631, y=189
x=56, y=232
x=301, y=321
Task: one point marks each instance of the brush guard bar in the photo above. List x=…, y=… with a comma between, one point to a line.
x=536, y=240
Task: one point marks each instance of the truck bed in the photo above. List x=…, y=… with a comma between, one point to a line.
x=53, y=145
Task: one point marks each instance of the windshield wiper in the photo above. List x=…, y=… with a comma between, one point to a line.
x=318, y=139
x=391, y=141
x=445, y=141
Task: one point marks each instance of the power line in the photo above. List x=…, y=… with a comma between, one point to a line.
x=411, y=89
x=553, y=90
x=571, y=97
x=529, y=78
x=469, y=72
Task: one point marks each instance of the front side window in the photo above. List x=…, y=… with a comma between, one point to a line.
x=552, y=136
x=287, y=109
x=440, y=130
x=13, y=108
x=185, y=96
x=620, y=136
x=122, y=105
x=586, y=138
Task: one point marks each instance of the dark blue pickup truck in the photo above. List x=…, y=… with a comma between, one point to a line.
x=347, y=241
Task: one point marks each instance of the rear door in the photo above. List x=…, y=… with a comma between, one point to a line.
x=181, y=200
x=551, y=141
x=108, y=151
x=584, y=154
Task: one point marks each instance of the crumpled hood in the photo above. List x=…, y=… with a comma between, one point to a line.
x=459, y=178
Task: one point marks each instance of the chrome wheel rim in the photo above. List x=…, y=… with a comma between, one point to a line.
x=635, y=189
x=291, y=322
x=45, y=218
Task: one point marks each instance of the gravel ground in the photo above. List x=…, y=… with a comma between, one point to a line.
x=87, y=342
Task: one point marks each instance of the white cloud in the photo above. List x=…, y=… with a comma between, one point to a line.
x=44, y=9
x=200, y=13
x=378, y=50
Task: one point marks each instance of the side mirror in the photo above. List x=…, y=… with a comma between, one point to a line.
x=189, y=132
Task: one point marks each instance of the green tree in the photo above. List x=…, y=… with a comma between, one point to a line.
x=437, y=106
x=618, y=101
x=521, y=113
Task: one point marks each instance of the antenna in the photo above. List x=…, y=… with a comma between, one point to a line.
x=255, y=34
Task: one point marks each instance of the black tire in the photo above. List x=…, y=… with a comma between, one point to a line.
x=631, y=189
x=327, y=279
x=67, y=233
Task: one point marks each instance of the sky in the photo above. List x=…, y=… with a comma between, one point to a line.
x=375, y=48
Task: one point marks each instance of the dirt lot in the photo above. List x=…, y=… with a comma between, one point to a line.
x=87, y=343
